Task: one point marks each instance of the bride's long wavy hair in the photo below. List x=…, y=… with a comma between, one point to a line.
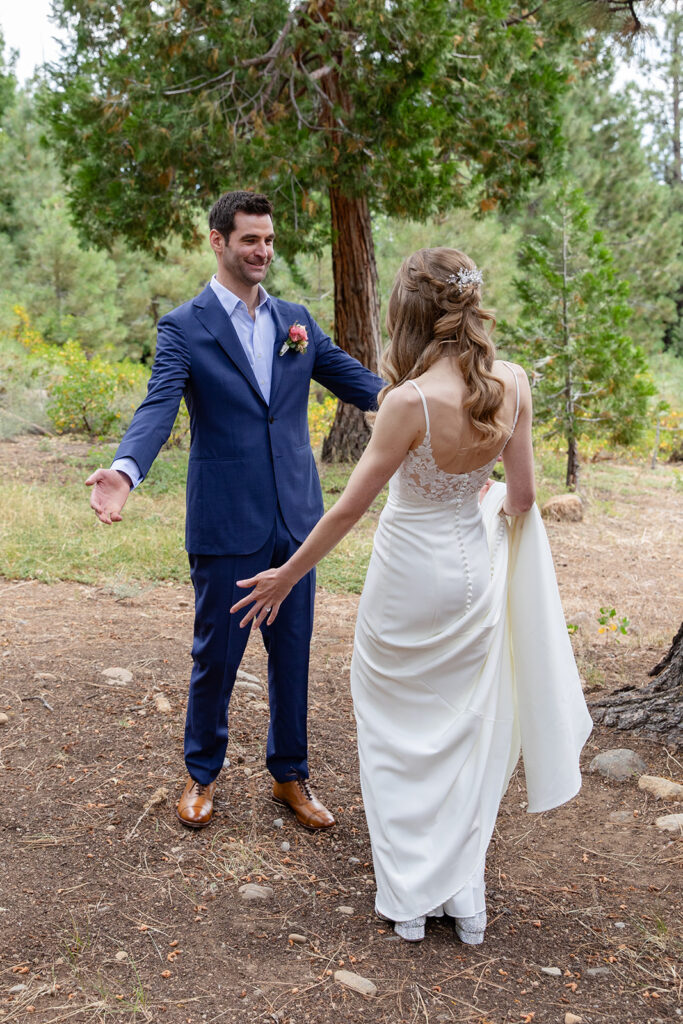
x=430, y=314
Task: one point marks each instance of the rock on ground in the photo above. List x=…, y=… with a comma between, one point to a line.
x=568, y=507
x=355, y=982
x=251, y=891
x=584, y=621
x=241, y=674
x=248, y=686
x=670, y=823
x=4, y=719
x=621, y=817
x=162, y=704
x=118, y=675
x=662, y=789
x=618, y=764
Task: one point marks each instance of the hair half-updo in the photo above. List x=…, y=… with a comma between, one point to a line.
x=431, y=314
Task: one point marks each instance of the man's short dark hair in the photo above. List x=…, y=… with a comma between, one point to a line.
x=222, y=215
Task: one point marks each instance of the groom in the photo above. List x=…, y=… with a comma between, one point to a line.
x=243, y=361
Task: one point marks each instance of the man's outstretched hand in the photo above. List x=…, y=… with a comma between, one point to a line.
x=110, y=490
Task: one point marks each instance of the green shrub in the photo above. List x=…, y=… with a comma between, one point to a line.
x=86, y=394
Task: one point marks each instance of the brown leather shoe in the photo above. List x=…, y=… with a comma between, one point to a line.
x=195, y=807
x=299, y=797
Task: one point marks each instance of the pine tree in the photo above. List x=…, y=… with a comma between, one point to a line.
x=8, y=82
x=606, y=132
x=588, y=377
x=109, y=300
x=662, y=106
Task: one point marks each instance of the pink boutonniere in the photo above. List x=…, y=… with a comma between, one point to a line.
x=297, y=339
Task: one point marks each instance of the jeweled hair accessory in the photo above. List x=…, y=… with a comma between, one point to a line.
x=465, y=277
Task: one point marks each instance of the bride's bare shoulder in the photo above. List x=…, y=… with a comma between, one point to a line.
x=504, y=371
x=503, y=368
x=401, y=410
x=402, y=398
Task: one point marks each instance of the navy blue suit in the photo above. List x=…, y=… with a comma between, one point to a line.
x=253, y=495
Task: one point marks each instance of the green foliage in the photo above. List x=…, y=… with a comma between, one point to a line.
x=492, y=245
x=85, y=395
x=662, y=66
x=608, y=139
x=8, y=82
x=110, y=300
x=588, y=378
x=416, y=106
x=608, y=622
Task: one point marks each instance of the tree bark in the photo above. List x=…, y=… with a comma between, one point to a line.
x=354, y=269
x=655, y=709
x=572, y=480
x=356, y=314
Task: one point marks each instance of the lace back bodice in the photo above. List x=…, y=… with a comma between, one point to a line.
x=420, y=476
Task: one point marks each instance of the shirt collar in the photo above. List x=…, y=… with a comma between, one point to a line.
x=230, y=301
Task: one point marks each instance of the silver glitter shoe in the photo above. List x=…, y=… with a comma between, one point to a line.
x=411, y=931
x=470, y=930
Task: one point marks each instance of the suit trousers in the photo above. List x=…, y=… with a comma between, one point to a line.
x=217, y=651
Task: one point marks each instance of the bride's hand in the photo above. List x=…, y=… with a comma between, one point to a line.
x=484, y=491
x=270, y=589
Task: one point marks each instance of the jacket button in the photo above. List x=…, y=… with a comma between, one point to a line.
x=271, y=419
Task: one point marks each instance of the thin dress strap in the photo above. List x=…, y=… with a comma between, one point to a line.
x=424, y=403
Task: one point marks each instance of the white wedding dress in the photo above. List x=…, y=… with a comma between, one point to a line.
x=432, y=679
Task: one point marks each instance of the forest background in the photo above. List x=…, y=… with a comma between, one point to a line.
x=584, y=266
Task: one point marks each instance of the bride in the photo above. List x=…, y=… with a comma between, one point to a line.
x=461, y=653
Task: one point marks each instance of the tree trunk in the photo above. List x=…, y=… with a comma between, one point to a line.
x=572, y=480
x=356, y=314
x=356, y=298
x=657, y=708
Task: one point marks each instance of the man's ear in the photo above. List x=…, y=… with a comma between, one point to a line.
x=216, y=241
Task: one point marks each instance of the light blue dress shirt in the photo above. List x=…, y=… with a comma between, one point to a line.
x=257, y=338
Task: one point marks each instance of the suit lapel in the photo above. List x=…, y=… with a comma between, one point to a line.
x=211, y=314
x=281, y=332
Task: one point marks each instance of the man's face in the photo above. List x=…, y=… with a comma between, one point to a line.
x=246, y=254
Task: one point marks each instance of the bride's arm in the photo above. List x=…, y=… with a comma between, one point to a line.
x=397, y=425
x=518, y=456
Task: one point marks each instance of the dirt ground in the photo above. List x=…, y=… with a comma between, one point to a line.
x=110, y=910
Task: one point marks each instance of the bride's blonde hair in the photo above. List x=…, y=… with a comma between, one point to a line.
x=435, y=310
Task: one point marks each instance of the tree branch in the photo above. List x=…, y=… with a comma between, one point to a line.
x=522, y=17
x=268, y=58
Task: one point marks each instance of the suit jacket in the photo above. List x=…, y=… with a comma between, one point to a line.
x=245, y=455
